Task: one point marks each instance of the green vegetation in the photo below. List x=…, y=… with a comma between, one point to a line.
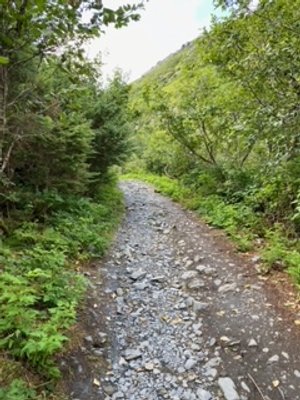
x=240, y=222
x=41, y=285
x=215, y=126
x=221, y=119
x=61, y=130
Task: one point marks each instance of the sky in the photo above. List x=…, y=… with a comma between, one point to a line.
x=165, y=25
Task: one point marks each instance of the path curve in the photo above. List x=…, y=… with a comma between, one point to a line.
x=173, y=315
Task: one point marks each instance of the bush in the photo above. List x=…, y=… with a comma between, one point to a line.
x=40, y=288
x=17, y=390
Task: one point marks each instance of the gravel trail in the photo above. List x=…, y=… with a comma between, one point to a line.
x=173, y=314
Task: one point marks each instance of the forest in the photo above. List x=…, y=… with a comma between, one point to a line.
x=215, y=126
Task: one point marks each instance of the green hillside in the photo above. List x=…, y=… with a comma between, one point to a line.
x=221, y=116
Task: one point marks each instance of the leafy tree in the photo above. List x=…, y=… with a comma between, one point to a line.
x=109, y=118
x=31, y=31
x=230, y=101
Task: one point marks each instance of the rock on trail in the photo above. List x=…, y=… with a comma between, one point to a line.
x=174, y=314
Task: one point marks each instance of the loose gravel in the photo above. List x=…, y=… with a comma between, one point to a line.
x=172, y=314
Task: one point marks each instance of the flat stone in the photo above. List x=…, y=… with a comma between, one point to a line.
x=227, y=287
x=205, y=269
x=190, y=363
x=132, y=354
x=158, y=278
x=228, y=388
x=149, y=366
x=189, y=263
x=88, y=339
x=109, y=389
x=211, y=372
x=203, y=394
x=198, y=258
x=273, y=359
x=189, y=275
x=139, y=274
x=196, y=283
x=200, y=306
x=213, y=362
x=141, y=285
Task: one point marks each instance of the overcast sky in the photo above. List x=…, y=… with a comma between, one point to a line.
x=164, y=27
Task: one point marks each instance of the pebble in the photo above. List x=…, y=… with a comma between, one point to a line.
x=196, y=283
x=190, y=363
x=228, y=388
x=149, y=366
x=189, y=275
x=227, y=287
x=273, y=359
x=203, y=394
x=109, y=389
x=297, y=373
x=132, y=354
x=200, y=306
x=139, y=274
x=252, y=343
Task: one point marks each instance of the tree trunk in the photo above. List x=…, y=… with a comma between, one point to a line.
x=3, y=113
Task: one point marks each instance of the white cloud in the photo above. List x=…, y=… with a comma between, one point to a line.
x=164, y=27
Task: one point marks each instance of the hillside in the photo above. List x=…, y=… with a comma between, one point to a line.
x=220, y=117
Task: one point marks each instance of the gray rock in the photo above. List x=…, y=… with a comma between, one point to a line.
x=273, y=359
x=211, y=372
x=217, y=282
x=213, y=362
x=158, y=278
x=228, y=388
x=149, y=366
x=109, y=389
x=190, y=363
x=203, y=394
x=252, y=343
x=245, y=387
x=139, y=274
x=200, y=306
x=141, y=285
x=227, y=287
x=196, y=283
x=189, y=275
x=132, y=354
x=88, y=339
x=205, y=269
x=297, y=373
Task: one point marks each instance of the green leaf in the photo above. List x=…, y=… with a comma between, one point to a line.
x=4, y=60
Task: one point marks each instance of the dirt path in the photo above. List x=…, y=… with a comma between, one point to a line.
x=174, y=314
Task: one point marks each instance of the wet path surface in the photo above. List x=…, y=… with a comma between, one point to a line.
x=174, y=315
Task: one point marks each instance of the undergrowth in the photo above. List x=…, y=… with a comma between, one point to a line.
x=245, y=227
x=41, y=284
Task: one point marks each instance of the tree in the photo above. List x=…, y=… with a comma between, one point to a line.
x=109, y=118
x=31, y=31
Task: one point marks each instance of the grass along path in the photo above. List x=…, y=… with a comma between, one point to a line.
x=41, y=287
x=245, y=228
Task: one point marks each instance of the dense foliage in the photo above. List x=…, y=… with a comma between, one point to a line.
x=61, y=130
x=222, y=117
